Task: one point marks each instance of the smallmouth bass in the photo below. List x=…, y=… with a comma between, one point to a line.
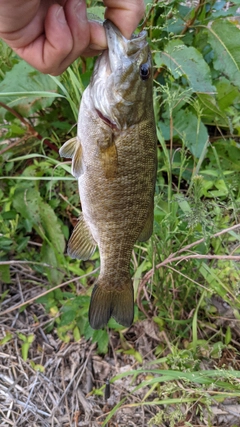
x=114, y=159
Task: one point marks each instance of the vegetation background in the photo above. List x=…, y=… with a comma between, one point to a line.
x=186, y=278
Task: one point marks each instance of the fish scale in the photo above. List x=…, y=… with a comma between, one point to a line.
x=114, y=159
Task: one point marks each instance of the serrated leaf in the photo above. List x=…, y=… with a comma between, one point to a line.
x=52, y=227
x=224, y=38
x=24, y=78
x=189, y=62
x=26, y=202
x=191, y=130
x=48, y=255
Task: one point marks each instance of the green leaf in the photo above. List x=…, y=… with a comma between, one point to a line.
x=224, y=38
x=191, y=130
x=227, y=94
x=48, y=255
x=186, y=61
x=26, y=201
x=211, y=112
x=96, y=12
x=68, y=316
x=24, y=78
x=52, y=227
x=7, y=338
x=76, y=334
x=25, y=348
x=5, y=273
x=101, y=337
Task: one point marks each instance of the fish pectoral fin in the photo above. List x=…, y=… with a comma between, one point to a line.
x=77, y=162
x=107, y=301
x=109, y=159
x=68, y=149
x=148, y=227
x=81, y=244
x=72, y=149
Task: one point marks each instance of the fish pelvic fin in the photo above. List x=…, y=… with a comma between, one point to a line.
x=107, y=301
x=81, y=244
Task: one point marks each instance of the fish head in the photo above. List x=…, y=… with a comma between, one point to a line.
x=122, y=80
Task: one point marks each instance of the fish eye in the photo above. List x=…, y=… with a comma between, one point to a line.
x=144, y=71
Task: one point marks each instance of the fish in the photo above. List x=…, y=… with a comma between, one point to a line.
x=114, y=158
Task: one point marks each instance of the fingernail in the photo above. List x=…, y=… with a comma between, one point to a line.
x=80, y=10
x=60, y=15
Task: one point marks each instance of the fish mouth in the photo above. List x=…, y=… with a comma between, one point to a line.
x=119, y=46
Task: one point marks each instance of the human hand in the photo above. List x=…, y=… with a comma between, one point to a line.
x=51, y=34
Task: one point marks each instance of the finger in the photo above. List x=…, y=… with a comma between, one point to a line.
x=49, y=49
x=89, y=37
x=125, y=14
x=81, y=38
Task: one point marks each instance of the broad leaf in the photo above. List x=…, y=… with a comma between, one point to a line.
x=211, y=112
x=186, y=61
x=224, y=38
x=26, y=202
x=24, y=78
x=191, y=130
x=48, y=255
x=52, y=227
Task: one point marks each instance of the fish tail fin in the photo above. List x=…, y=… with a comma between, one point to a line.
x=107, y=301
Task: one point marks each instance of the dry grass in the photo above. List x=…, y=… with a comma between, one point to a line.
x=63, y=392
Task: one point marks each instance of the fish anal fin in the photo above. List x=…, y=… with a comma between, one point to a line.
x=68, y=149
x=81, y=244
x=107, y=301
x=148, y=227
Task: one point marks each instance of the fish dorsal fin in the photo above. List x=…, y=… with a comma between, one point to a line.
x=68, y=149
x=77, y=162
x=148, y=227
x=109, y=160
x=81, y=244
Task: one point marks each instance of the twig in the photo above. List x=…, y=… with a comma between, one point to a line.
x=82, y=368
x=191, y=245
x=13, y=144
x=47, y=292
x=32, y=408
x=29, y=127
x=191, y=21
x=173, y=258
x=148, y=14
